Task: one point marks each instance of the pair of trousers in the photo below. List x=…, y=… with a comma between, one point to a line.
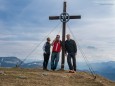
x=46, y=59
x=54, y=60
x=71, y=59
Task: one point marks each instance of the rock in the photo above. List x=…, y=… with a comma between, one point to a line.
x=2, y=73
x=64, y=76
x=45, y=74
x=22, y=77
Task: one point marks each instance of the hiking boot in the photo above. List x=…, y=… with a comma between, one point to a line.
x=46, y=69
x=71, y=71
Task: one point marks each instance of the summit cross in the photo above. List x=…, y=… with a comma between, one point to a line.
x=64, y=18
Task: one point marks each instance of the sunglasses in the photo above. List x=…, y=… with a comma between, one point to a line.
x=57, y=37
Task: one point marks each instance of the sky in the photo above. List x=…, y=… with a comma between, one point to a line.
x=25, y=23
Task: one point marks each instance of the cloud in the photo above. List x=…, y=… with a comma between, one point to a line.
x=91, y=47
x=24, y=23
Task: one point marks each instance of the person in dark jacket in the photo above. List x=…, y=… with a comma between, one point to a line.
x=71, y=49
x=46, y=54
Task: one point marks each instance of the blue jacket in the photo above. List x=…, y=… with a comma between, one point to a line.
x=46, y=48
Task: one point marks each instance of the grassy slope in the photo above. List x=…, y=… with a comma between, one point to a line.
x=38, y=77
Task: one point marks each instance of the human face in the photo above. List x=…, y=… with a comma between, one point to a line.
x=68, y=37
x=57, y=38
x=48, y=40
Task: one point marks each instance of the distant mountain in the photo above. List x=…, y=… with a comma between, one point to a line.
x=13, y=61
x=9, y=61
x=106, y=69
x=35, y=64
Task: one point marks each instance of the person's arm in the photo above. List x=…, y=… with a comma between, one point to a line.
x=75, y=46
x=65, y=48
x=44, y=48
x=61, y=44
x=53, y=42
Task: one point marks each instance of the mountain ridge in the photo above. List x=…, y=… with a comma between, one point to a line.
x=39, y=77
x=105, y=69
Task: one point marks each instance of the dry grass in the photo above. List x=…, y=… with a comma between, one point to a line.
x=38, y=77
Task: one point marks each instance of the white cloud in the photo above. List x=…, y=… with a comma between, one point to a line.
x=24, y=29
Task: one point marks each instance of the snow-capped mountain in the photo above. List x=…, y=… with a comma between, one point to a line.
x=9, y=61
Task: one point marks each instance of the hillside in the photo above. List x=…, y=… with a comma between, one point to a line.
x=38, y=77
x=105, y=69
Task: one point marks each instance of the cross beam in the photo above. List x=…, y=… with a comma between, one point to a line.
x=58, y=17
x=64, y=18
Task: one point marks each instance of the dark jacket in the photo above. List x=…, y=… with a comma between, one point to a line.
x=70, y=46
x=46, y=47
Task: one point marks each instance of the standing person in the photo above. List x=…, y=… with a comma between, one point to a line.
x=55, y=52
x=71, y=49
x=46, y=54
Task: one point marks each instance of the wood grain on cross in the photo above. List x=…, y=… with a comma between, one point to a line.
x=64, y=17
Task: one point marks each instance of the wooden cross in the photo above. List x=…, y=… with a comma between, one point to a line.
x=64, y=18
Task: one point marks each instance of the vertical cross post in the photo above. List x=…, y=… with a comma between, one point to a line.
x=63, y=39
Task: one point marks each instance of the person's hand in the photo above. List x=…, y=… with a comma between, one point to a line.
x=75, y=54
x=65, y=54
x=44, y=52
x=54, y=40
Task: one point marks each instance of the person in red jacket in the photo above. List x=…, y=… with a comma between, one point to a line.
x=55, y=52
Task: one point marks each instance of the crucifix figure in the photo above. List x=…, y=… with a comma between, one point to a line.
x=64, y=18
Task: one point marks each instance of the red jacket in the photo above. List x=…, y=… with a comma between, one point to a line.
x=57, y=46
